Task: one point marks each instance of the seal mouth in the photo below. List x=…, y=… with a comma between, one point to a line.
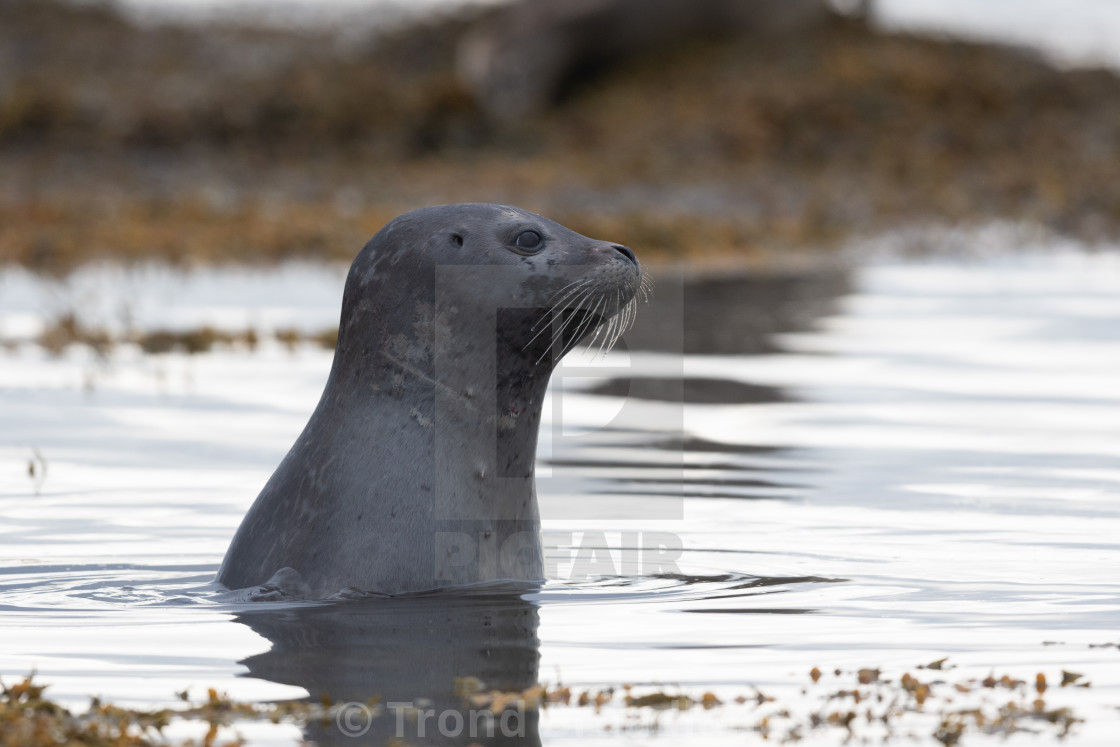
x=589, y=310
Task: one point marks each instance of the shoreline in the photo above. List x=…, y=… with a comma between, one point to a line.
x=272, y=145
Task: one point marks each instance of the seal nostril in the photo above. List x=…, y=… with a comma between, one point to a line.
x=627, y=251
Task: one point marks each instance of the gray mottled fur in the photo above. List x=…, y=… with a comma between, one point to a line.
x=416, y=469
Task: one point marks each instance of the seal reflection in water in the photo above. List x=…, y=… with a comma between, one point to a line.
x=415, y=471
x=409, y=652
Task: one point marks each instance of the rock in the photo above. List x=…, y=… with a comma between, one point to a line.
x=529, y=53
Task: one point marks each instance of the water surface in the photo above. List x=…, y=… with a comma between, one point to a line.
x=877, y=467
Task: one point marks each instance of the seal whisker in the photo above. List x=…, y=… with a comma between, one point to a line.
x=589, y=315
x=550, y=327
x=558, y=331
x=546, y=314
x=592, y=313
x=558, y=298
x=589, y=319
x=572, y=289
x=621, y=323
x=604, y=332
x=555, y=296
x=645, y=287
x=624, y=321
x=551, y=314
x=616, y=331
x=631, y=315
x=611, y=327
x=577, y=331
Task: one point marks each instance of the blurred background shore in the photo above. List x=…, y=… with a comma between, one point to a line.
x=180, y=133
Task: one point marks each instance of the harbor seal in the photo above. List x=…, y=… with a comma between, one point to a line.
x=415, y=471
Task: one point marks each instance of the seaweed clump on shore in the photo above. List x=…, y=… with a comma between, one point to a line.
x=863, y=705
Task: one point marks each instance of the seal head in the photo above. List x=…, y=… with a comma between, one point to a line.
x=415, y=471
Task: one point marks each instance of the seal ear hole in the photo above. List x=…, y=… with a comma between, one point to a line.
x=457, y=239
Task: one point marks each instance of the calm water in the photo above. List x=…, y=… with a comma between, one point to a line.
x=873, y=467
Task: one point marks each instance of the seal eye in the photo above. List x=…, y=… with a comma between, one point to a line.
x=529, y=241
